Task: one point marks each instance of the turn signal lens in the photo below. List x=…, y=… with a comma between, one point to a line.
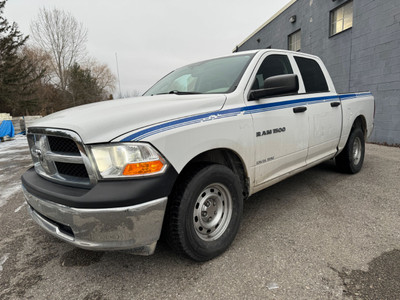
x=143, y=168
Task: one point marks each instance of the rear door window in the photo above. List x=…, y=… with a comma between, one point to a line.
x=313, y=77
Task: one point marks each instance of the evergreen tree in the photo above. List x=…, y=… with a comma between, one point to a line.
x=82, y=86
x=16, y=71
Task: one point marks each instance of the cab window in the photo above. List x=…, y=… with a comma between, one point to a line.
x=273, y=65
x=313, y=77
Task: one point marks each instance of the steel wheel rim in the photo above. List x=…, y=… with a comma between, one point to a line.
x=357, y=149
x=212, y=212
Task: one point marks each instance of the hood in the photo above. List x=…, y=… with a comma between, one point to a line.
x=104, y=121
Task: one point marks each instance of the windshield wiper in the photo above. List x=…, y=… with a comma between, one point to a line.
x=176, y=92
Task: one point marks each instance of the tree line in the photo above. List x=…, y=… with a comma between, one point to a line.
x=49, y=70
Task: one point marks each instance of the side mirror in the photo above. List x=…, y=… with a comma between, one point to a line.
x=277, y=85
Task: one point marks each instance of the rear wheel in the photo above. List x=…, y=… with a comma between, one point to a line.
x=204, y=214
x=351, y=159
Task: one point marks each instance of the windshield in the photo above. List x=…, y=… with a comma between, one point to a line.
x=220, y=75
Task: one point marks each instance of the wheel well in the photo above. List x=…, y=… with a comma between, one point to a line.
x=360, y=122
x=224, y=157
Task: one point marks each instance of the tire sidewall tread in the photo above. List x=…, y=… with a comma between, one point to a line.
x=344, y=161
x=181, y=234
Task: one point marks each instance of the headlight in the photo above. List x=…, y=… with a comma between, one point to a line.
x=127, y=159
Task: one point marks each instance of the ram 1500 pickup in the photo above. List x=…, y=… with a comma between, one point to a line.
x=181, y=159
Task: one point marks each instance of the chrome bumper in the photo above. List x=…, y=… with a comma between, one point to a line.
x=137, y=227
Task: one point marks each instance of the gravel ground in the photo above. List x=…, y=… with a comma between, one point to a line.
x=317, y=235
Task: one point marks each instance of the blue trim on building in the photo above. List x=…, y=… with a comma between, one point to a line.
x=142, y=134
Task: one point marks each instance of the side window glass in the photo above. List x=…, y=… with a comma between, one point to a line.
x=273, y=65
x=313, y=77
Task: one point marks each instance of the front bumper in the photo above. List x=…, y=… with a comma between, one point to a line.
x=135, y=227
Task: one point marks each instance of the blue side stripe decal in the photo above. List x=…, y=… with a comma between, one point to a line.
x=351, y=96
x=140, y=135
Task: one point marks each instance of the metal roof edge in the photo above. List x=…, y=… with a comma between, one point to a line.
x=265, y=24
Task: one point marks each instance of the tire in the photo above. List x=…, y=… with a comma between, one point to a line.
x=204, y=213
x=351, y=159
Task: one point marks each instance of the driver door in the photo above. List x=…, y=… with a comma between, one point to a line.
x=280, y=124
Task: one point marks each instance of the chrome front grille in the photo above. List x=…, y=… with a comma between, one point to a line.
x=77, y=170
x=60, y=156
x=62, y=144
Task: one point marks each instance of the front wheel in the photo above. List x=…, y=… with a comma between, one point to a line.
x=351, y=159
x=205, y=211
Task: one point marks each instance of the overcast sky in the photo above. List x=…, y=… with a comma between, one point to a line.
x=153, y=37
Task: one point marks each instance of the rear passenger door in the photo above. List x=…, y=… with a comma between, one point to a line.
x=281, y=132
x=324, y=110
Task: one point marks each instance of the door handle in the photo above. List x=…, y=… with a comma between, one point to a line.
x=299, y=109
x=335, y=104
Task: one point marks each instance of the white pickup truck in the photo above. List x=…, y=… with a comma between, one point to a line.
x=180, y=160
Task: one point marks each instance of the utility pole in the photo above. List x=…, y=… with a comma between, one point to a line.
x=119, y=82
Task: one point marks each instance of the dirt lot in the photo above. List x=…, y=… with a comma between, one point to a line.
x=317, y=235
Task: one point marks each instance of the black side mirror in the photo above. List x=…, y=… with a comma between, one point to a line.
x=277, y=85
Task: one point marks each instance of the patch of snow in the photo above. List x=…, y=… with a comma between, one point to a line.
x=15, y=158
x=10, y=151
x=19, y=141
x=13, y=151
x=8, y=191
x=272, y=286
x=3, y=260
x=19, y=208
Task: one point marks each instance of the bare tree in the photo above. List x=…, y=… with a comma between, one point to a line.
x=105, y=79
x=130, y=94
x=41, y=60
x=45, y=98
x=61, y=35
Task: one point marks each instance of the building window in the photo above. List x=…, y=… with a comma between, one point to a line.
x=294, y=41
x=341, y=18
